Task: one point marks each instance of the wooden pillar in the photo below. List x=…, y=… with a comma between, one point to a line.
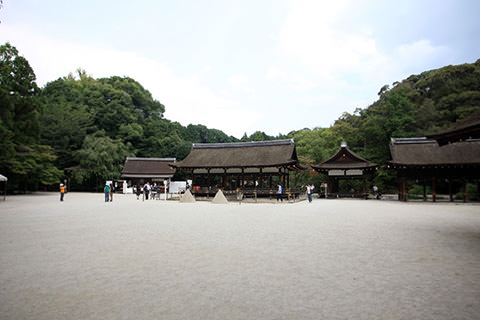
x=478, y=188
x=208, y=183
x=400, y=197
x=243, y=179
x=424, y=191
x=434, y=190
x=450, y=190
x=260, y=183
x=465, y=191
x=208, y=177
x=364, y=189
x=288, y=179
x=329, y=186
x=402, y=194
x=224, y=178
x=282, y=178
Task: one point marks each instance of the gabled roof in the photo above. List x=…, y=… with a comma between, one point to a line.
x=270, y=153
x=468, y=128
x=425, y=152
x=345, y=159
x=148, y=168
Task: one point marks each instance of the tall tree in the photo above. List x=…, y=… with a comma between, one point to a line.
x=21, y=155
x=100, y=158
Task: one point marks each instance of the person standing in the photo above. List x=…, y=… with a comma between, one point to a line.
x=375, y=192
x=279, y=192
x=309, y=193
x=146, y=189
x=155, y=191
x=106, y=189
x=112, y=190
x=62, y=191
x=138, y=190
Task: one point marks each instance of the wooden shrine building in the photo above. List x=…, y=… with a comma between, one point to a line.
x=253, y=167
x=143, y=170
x=424, y=161
x=343, y=165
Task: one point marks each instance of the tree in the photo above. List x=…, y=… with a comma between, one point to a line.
x=22, y=158
x=100, y=158
x=64, y=126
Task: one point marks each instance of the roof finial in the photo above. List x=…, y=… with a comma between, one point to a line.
x=343, y=144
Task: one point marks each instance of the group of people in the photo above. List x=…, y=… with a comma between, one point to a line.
x=310, y=188
x=152, y=191
x=147, y=189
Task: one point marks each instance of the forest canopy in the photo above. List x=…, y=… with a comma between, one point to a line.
x=86, y=127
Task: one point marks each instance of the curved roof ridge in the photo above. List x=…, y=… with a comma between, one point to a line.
x=414, y=140
x=345, y=147
x=151, y=159
x=243, y=144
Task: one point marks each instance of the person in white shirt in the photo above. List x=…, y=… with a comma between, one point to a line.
x=279, y=192
x=309, y=192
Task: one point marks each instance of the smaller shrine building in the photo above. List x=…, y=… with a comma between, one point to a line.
x=143, y=170
x=345, y=165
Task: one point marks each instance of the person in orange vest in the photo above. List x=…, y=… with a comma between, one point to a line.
x=62, y=191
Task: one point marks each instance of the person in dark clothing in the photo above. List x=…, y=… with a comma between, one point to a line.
x=138, y=192
x=112, y=190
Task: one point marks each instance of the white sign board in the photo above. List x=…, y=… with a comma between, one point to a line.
x=178, y=186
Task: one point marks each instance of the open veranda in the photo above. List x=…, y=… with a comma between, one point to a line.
x=329, y=259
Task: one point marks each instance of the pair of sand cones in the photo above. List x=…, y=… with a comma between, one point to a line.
x=187, y=197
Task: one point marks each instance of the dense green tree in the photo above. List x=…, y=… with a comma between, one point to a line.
x=202, y=134
x=100, y=158
x=64, y=127
x=22, y=158
x=115, y=110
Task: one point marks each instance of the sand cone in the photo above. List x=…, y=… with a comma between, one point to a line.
x=220, y=198
x=187, y=197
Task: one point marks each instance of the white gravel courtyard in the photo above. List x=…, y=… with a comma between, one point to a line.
x=329, y=259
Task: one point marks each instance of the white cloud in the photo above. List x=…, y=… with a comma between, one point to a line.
x=317, y=54
x=187, y=100
x=310, y=37
x=294, y=81
x=419, y=54
x=240, y=82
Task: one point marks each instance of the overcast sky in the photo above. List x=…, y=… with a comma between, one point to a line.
x=247, y=65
